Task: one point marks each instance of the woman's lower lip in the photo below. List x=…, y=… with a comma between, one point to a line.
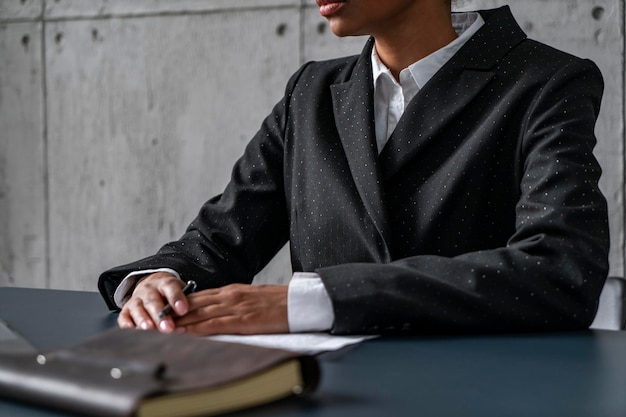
x=331, y=8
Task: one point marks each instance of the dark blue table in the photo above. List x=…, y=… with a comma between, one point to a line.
x=556, y=374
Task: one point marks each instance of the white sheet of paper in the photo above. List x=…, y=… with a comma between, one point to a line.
x=309, y=343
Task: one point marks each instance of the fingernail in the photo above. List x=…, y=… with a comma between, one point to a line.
x=165, y=326
x=145, y=325
x=179, y=306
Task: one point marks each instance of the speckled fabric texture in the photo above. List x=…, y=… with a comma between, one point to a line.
x=481, y=213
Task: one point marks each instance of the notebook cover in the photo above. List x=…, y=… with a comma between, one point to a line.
x=110, y=373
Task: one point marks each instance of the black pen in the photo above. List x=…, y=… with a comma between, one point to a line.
x=188, y=289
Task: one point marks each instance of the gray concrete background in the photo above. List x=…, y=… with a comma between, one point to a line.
x=119, y=118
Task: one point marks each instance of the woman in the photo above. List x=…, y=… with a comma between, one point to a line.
x=442, y=181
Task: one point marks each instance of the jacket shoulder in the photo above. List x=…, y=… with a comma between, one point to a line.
x=327, y=72
x=548, y=56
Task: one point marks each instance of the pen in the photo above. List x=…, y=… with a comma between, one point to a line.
x=188, y=289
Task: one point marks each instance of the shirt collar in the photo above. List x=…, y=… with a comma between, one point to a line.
x=465, y=25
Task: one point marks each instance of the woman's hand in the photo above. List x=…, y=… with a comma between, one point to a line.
x=236, y=309
x=149, y=298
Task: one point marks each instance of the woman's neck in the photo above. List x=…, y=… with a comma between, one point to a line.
x=412, y=39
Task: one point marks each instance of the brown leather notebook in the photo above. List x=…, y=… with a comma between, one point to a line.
x=128, y=372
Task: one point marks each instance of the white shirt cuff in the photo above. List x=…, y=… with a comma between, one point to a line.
x=124, y=290
x=309, y=308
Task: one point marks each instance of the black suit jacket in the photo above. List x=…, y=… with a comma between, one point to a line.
x=482, y=213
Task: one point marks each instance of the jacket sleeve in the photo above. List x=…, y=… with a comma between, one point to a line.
x=549, y=274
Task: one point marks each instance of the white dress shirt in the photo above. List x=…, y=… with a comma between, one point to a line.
x=309, y=307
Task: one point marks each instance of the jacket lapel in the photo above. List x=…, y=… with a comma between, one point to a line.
x=353, y=106
x=450, y=90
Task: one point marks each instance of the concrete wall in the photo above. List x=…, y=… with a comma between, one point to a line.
x=118, y=118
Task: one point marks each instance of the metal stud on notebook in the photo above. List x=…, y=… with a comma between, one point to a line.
x=297, y=390
x=116, y=373
x=41, y=359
